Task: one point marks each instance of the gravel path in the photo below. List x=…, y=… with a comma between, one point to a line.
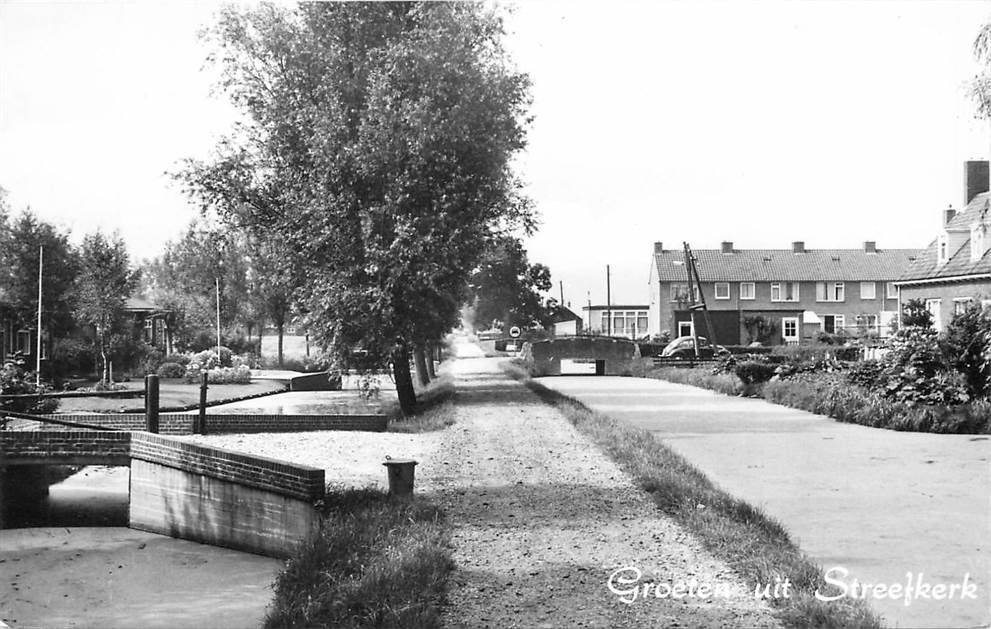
x=542, y=519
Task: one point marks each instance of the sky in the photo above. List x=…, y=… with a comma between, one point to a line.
x=755, y=122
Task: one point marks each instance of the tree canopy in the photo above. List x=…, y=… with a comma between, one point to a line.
x=506, y=287
x=378, y=146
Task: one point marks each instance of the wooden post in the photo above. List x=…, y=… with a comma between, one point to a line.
x=151, y=403
x=200, y=427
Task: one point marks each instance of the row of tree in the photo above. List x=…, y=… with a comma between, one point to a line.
x=83, y=289
x=375, y=149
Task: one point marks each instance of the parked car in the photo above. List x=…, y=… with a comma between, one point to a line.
x=684, y=347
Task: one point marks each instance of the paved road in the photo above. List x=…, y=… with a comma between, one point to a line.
x=876, y=502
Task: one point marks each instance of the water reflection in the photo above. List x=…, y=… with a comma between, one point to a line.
x=93, y=496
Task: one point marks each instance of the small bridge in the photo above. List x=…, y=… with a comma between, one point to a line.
x=177, y=488
x=594, y=355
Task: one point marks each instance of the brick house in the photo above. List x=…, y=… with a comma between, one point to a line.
x=796, y=292
x=956, y=267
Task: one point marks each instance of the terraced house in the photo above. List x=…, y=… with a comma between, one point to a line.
x=779, y=296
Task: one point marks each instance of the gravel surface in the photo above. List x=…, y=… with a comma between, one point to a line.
x=542, y=519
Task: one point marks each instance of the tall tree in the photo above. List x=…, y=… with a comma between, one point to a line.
x=378, y=146
x=106, y=280
x=20, y=243
x=506, y=288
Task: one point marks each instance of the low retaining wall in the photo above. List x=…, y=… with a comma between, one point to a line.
x=182, y=423
x=616, y=355
x=223, y=498
x=187, y=490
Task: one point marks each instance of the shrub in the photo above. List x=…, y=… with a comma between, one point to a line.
x=964, y=347
x=229, y=375
x=171, y=370
x=72, y=356
x=207, y=359
x=150, y=358
x=753, y=372
x=866, y=373
x=701, y=377
x=16, y=380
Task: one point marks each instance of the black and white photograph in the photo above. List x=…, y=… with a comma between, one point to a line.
x=526, y=314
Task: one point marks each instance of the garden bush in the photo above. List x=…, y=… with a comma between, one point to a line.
x=171, y=370
x=866, y=373
x=16, y=380
x=753, y=372
x=182, y=359
x=965, y=347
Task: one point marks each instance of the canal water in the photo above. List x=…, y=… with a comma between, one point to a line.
x=92, y=496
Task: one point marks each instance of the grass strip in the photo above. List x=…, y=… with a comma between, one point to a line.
x=755, y=545
x=376, y=562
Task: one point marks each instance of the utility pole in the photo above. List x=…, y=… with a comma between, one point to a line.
x=217, y=280
x=37, y=358
x=608, y=305
x=695, y=284
x=561, y=284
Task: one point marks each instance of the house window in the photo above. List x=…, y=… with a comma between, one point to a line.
x=784, y=291
x=148, y=334
x=642, y=322
x=605, y=322
x=934, y=306
x=892, y=290
x=960, y=305
x=722, y=290
x=747, y=290
x=833, y=324
x=830, y=291
x=868, y=290
x=943, y=252
x=789, y=329
x=684, y=328
x=679, y=292
x=24, y=341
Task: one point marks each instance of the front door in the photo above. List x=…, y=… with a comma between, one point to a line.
x=789, y=330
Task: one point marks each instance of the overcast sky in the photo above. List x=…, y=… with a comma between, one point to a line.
x=759, y=122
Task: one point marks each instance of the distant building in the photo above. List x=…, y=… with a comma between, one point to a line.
x=626, y=320
x=955, y=269
x=564, y=322
x=781, y=295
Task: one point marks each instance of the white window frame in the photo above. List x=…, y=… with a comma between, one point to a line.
x=935, y=308
x=22, y=346
x=960, y=300
x=717, y=286
x=685, y=323
x=784, y=329
x=942, y=249
x=832, y=292
x=871, y=293
x=892, y=290
x=778, y=286
x=753, y=291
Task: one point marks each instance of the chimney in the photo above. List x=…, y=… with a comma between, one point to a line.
x=975, y=179
x=870, y=246
x=798, y=246
x=658, y=247
x=727, y=246
x=948, y=215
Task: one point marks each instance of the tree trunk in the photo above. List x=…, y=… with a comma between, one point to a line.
x=404, y=380
x=430, y=361
x=281, y=330
x=419, y=356
x=105, y=376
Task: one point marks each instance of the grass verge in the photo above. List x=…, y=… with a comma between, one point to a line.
x=376, y=562
x=756, y=546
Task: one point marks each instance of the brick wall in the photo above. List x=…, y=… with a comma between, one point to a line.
x=182, y=424
x=65, y=447
x=298, y=481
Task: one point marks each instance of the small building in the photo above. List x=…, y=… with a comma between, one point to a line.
x=149, y=322
x=779, y=296
x=955, y=269
x=564, y=321
x=616, y=320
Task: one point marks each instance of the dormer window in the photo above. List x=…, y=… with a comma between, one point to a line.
x=942, y=249
x=977, y=237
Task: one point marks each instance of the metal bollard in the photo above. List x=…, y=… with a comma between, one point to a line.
x=401, y=473
x=151, y=403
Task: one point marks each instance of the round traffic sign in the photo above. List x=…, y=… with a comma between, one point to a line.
x=514, y=332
